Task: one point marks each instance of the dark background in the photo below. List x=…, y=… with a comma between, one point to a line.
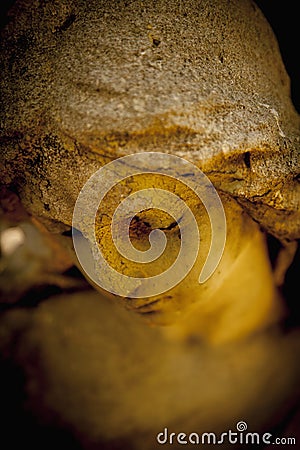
x=284, y=19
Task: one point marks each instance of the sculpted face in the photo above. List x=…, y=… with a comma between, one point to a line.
x=85, y=83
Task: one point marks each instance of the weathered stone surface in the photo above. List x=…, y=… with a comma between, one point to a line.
x=86, y=82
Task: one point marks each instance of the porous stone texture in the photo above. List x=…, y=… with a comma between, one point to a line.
x=84, y=82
